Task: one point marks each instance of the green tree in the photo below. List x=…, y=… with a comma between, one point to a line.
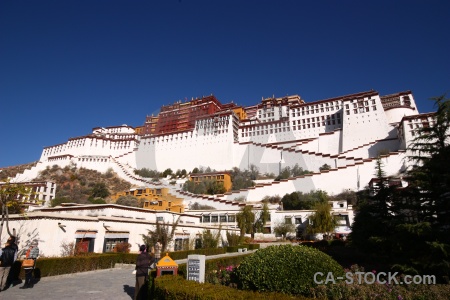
x=292, y=172
x=261, y=218
x=283, y=229
x=10, y=194
x=233, y=239
x=245, y=220
x=99, y=190
x=210, y=239
x=163, y=231
x=325, y=167
x=209, y=186
x=254, y=172
x=251, y=222
x=272, y=199
x=243, y=179
x=430, y=151
x=147, y=173
x=198, y=206
x=322, y=220
x=408, y=227
x=303, y=201
x=167, y=172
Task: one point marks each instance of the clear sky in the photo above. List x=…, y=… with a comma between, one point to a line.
x=68, y=66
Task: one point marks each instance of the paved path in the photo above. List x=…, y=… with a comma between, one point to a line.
x=117, y=283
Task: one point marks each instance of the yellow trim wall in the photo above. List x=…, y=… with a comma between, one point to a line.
x=155, y=199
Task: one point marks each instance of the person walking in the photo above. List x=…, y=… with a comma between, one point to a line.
x=143, y=262
x=12, y=243
x=158, y=249
x=7, y=259
x=32, y=253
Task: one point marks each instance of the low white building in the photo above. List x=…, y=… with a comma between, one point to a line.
x=98, y=228
x=227, y=218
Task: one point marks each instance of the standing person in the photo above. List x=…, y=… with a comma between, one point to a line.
x=143, y=262
x=158, y=248
x=33, y=253
x=7, y=260
x=12, y=242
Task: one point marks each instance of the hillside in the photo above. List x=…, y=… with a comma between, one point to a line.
x=13, y=170
x=76, y=184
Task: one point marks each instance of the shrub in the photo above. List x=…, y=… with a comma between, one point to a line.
x=232, y=248
x=184, y=253
x=233, y=239
x=123, y=247
x=214, y=265
x=175, y=287
x=337, y=243
x=253, y=246
x=285, y=268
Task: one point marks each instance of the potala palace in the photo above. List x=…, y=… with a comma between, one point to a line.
x=348, y=133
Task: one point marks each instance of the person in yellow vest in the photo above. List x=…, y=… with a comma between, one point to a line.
x=33, y=253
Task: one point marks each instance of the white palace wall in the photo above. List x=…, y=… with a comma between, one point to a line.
x=363, y=122
x=340, y=132
x=351, y=177
x=186, y=151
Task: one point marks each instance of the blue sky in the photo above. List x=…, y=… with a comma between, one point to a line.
x=68, y=66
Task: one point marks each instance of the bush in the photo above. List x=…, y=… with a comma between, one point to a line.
x=175, y=287
x=123, y=247
x=337, y=243
x=285, y=268
x=232, y=248
x=213, y=265
x=253, y=246
x=233, y=239
x=184, y=253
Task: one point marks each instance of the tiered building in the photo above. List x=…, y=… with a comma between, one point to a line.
x=347, y=133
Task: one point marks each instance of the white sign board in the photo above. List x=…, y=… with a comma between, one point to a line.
x=196, y=268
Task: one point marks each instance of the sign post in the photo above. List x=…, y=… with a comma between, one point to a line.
x=196, y=268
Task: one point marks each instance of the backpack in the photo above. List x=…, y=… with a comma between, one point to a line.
x=7, y=256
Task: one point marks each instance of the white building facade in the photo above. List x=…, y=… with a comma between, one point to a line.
x=99, y=227
x=348, y=133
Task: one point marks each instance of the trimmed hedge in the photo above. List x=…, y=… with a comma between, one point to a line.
x=175, y=287
x=248, y=246
x=285, y=269
x=51, y=266
x=215, y=264
x=184, y=254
